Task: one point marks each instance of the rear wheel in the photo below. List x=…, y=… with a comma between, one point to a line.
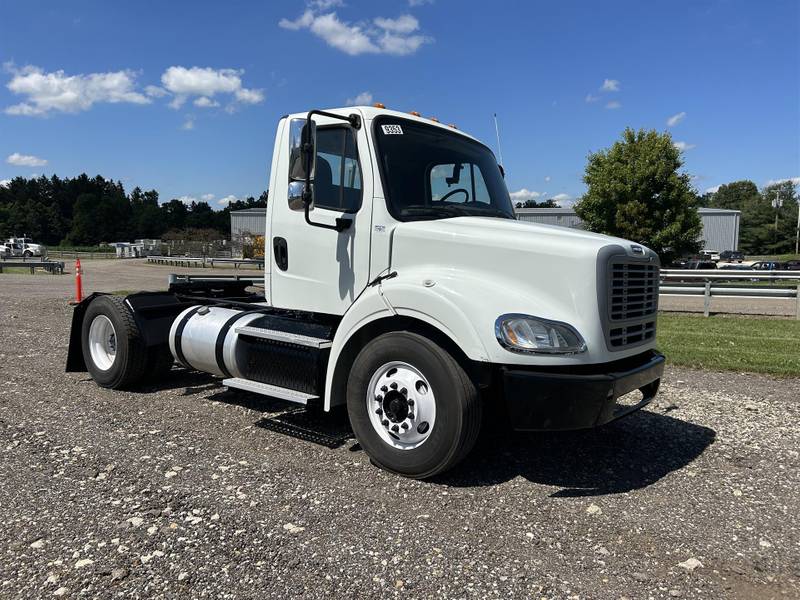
x=412, y=407
x=113, y=350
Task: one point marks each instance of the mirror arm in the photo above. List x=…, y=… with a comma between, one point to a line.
x=308, y=148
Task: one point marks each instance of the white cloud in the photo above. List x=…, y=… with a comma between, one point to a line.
x=614, y=104
x=188, y=124
x=712, y=190
x=402, y=24
x=25, y=160
x=57, y=91
x=155, y=91
x=362, y=99
x=205, y=102
x=524, y=194
x=187, y=199
x=207, y=197
x=249, y=96
x=610, y=85
x=675, y=119
x=227, y=200
x=794, y=180
x=562, y=199
x=547, y=178
x=325, y=4
x=683, y=146
x=382, y=36
x=419, y=2
x=592, y=98
x=205, y=82
x=5, y=182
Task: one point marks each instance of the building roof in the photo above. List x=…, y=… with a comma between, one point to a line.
x=256, y=211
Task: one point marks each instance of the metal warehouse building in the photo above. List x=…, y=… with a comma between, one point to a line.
x=720, y=226
x=248, y=222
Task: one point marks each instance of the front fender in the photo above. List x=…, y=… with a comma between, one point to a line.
x=405, y=296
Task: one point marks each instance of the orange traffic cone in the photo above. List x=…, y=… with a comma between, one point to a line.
x=78, y=283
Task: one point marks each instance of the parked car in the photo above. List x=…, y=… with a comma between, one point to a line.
x=792, y=265
x=732, y=255
x=710, y=255
x=701, y=264
x=767, y=265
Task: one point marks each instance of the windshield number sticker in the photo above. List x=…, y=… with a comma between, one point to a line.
x=392, y=129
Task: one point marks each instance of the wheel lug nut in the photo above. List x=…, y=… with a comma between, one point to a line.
x=379, y=411
x=378, y=398
x=385, y=423
x=395, y=428
x=393, y=385
x=384, y=389
x=404, y=426
x=410, y=402
x=410, y=416
x=404, y=391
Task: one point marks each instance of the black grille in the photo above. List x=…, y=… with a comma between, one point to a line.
x=632, y=291
x=632, y=334
x=632, y=302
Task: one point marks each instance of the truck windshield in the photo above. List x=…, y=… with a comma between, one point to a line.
x=431, y=173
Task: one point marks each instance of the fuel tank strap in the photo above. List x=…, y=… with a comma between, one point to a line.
x=179, y=334
x=220, y=345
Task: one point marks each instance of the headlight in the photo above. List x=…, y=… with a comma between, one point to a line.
x=524, y=334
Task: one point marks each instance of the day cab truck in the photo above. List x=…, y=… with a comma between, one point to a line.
x=399, y=283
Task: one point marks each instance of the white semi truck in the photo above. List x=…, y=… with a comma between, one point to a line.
x=399, y=283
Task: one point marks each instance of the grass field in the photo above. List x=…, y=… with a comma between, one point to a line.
x=731, y=343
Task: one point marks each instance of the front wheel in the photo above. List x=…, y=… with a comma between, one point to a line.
x=411, y=405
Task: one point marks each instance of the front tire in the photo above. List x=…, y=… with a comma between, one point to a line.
x=113, y=350
x=411, y=405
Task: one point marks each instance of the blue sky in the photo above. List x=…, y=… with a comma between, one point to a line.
x=184, y=97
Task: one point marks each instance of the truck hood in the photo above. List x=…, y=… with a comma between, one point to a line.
x=503, y=236
x=487, y=267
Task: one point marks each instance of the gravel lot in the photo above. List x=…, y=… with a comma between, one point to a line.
x=179, y=490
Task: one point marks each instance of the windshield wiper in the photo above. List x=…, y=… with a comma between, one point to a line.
x=435, y=211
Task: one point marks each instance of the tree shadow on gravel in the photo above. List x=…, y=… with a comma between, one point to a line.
x=625, y=455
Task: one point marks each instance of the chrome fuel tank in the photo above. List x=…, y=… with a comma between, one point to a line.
x=204, y=338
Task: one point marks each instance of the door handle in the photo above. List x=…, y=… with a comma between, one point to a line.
x=281, y=253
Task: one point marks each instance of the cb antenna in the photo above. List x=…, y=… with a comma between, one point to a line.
x=497, y=133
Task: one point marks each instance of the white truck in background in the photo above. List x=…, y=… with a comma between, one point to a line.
x=399, y=283
x=23, y=246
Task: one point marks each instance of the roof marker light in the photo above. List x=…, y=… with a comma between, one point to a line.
x=379, y=105
x=415, y=113
x=452, y=125
x=434, y=119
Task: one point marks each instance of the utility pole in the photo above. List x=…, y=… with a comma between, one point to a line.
x=797, y=231
x=777, y=204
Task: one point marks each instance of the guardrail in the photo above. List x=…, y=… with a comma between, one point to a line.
x=50, y=266
x=80, y=254
x=708, y=283
x=204, y=261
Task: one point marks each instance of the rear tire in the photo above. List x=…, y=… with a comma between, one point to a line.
x=430, y=410
x=113, y=350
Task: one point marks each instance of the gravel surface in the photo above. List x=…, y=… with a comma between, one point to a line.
x=180, y=491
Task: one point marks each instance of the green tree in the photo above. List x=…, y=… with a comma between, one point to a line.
x=637, y=191
x=782, y=199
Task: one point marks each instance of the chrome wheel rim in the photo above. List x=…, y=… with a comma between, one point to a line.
x=401, y=405
x=102, y=342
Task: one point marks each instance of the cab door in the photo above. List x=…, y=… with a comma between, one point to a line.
x=313, y=268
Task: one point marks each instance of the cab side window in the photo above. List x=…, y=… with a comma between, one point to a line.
x=337, y=174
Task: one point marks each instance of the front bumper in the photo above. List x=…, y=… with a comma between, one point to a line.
x=558, y=399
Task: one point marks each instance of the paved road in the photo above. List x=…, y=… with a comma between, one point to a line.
x=179, y=490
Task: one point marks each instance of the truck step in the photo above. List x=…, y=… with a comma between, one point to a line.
x=269, y=390
x=297, y=424
x=285, y=336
